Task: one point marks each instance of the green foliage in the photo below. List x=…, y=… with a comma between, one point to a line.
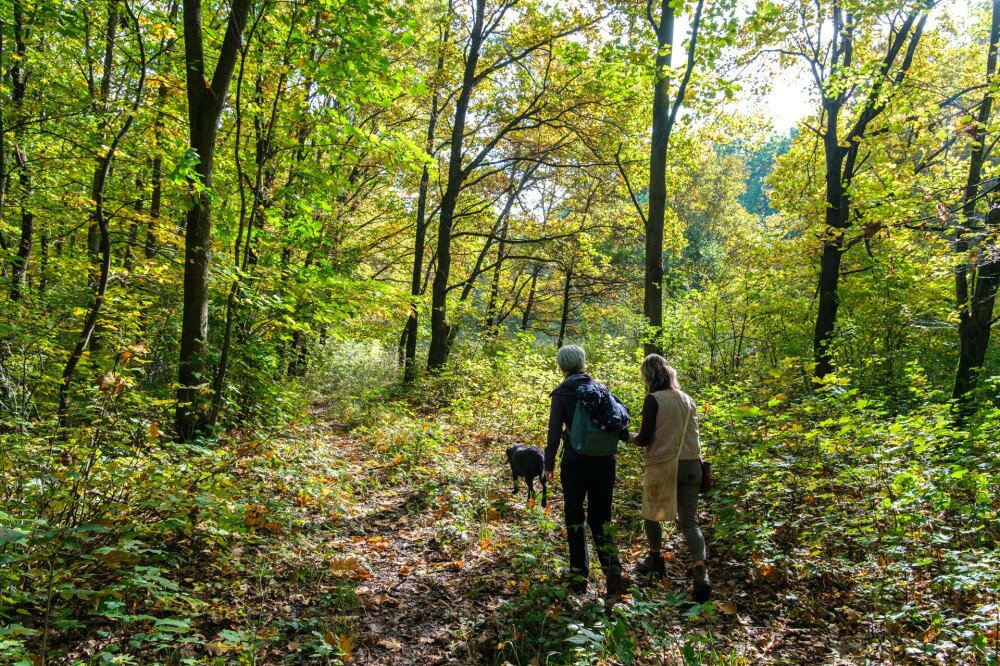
x=859, y=506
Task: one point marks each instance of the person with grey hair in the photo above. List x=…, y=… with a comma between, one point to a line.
x=588, y=482
x=672, y=470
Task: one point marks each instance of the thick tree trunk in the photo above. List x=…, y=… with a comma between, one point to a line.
x=440, y=329
x=205, y=104
x=974, y=329
x=975, y=310
x=652, y=302
x=836, y=219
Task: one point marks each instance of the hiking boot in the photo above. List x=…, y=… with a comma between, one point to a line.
x=702, y=586
x=652, y=565
x=616, y=585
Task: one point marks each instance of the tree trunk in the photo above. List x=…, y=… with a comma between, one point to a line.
x=156, y=196
x=411, y=328
x=440, y=329
x=975, y=310
x=205, y=104
x=104, y=236
x=652, y=302
x=526, y=317
x=664, y=116
x=974, y=328
x=567, y=286
x=101, y=104
x=491, y=301
x=19, y=86
x=841, y=162
x=836, y=219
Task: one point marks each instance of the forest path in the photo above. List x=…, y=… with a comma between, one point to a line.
x=440, y=545
x=422, y=593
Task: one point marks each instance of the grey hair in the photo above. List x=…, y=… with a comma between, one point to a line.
x=658, y=374
x=571, y=358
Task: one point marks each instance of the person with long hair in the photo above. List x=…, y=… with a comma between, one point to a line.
x=672, y=470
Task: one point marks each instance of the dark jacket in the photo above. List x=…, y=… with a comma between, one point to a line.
x=561, y=418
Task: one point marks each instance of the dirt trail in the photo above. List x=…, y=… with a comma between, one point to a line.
x=419, y=599
x=417, y=605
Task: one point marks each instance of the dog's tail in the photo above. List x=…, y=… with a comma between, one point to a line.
x=544, y=490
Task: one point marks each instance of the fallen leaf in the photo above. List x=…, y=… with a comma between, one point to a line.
x=727, y=607
x=769, y=573
x=346, y=644
x=391, y=644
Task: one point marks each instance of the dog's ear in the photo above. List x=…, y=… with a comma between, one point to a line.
x=510, y=452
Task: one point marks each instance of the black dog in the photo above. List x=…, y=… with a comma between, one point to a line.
x=527, y=462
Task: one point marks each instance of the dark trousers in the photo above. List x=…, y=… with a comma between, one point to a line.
x=588, y=487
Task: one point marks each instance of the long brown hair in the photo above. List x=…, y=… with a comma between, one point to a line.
x=658, y=374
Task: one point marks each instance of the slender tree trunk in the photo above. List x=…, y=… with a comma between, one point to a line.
x=526, y=317
x=264, y=176
x=156, y=196
x=664, y=116
x=440, y=329
x=133, y=229
x=101, y=106
x=411, y=329
x=975, y=310
x=205, y=103
x=19, y=86
x=104, y=237
x=564, y=320
x=4, y=180
x=491, y=300
x=841, y=162
x=19, y=264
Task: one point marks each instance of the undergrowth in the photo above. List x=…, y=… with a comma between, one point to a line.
x=837, y=519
